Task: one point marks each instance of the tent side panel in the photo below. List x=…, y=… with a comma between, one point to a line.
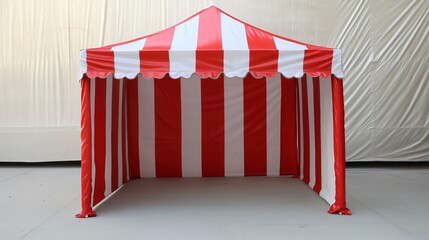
x=86, y=150
x=321, y=139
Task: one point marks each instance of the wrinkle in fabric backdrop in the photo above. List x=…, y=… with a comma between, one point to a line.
x=385, y=56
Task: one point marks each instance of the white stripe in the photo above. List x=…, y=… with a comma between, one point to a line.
x=327, y=141
x=282, y=44
x=108, y=168
x=182, y=52
x=92, y=104
x=310, y=100
x=291, y=58
x=83, y=63
x=274, y=88
x=337, y=67
x=236, y=49
x=127, y=59
x=146, y=127
x=234, y=127
x=191, y=126
x=121, y=87
x=301, y=131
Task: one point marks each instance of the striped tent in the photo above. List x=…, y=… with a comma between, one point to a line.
x=212, y=96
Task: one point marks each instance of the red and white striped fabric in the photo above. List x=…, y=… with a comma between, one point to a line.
x=148, y=112
x=210, y=43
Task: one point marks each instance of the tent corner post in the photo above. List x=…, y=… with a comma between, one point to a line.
x=86, y=150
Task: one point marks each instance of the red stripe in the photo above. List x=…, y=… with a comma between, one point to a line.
x=263, y=57
x=212, y=127
x=288, y=144
x=99, y=139
x=115, y=118
x=133, y=128
x=209, y=54
x=123, y=140
x=209, y=63
x=318, y=62
x=168, y=128
x=86, y=152
x=100, y=62
x=299, y=127
x=317, y=135
x=154, y=57
x=255, y=126
x=305, y=125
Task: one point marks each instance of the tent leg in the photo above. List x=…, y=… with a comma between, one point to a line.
x=86, y=164
x=339, y=205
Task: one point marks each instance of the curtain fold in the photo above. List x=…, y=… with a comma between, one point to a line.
x=385, y=54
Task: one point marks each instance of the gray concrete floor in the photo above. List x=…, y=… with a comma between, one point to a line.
x=38, y=201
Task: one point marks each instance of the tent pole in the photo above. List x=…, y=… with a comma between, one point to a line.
x=339, y=148
x=86, y=146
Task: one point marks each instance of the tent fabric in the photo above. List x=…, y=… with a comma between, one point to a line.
x=148, y=109
x=210, y=43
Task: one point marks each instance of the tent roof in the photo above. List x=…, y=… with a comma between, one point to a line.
x=210, y=43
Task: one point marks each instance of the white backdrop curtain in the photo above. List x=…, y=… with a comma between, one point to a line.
x=385, y=54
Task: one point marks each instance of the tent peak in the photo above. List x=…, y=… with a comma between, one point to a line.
x=211, y=6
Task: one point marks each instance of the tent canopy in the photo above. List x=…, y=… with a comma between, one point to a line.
x=289, y=121
x=209, y=43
